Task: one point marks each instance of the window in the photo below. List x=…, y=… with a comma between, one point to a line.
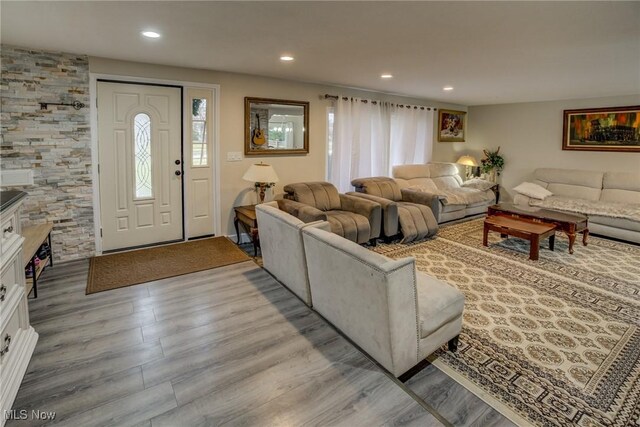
x=199, y=132
x=142, y=156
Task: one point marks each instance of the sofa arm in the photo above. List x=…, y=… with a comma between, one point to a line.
x=367, y=208
x=389, y=212
x=428, y=199
x=301, y=211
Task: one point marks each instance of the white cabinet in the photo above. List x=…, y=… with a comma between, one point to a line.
x=17, y=337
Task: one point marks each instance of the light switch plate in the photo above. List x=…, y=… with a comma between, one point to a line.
x=234, y=156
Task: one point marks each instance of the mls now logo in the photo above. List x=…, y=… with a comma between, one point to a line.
x=23, y=414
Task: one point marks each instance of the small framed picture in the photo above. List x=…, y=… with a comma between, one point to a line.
x=602, y=129
x=452, y=126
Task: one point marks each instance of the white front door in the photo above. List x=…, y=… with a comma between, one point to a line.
x=140, y=164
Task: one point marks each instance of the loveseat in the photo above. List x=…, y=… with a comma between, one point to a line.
x=442, y=179
x=611, y=200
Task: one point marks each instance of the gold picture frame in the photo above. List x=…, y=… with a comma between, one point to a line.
x=602, y=129
x=275, y=127
x=452, y=126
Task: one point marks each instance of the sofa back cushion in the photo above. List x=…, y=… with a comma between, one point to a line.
x=408, y=172
x=321, y=195
x=576, y=184
x=369, y=297
x=621, y=187
x=442, y=169
x=429, y=177
x=380, y=186
x=282, y=248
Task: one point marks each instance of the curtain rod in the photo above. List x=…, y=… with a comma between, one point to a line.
x=346, y=98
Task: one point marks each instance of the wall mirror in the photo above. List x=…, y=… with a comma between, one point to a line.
x=275, y=126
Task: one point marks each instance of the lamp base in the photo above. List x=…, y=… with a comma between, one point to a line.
x=262, y=187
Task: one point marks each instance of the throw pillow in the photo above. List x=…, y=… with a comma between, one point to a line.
x=478, y=184
x=532, y=190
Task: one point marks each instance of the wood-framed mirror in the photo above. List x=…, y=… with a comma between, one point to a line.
x=275, y=126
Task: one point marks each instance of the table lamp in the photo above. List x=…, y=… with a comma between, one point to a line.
x=262, y=175
x=469, y=163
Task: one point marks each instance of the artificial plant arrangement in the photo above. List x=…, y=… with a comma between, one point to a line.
x=492, y=163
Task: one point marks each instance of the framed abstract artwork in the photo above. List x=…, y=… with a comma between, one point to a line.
x=602, y=129
x=452, y=126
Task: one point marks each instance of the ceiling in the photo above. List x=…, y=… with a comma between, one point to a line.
x=490, y=52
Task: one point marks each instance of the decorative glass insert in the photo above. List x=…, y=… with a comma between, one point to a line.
x=142, y=155
x=199, y=132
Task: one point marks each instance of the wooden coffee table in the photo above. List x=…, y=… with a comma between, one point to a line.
x=569, y=223
x=533, y=232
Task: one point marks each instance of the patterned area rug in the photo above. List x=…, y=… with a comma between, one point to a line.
x=548, y=342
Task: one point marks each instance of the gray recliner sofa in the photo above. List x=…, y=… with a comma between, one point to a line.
x=404, y=211
x=353, y=218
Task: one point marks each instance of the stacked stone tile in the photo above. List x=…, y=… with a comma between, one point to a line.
x=55, y=143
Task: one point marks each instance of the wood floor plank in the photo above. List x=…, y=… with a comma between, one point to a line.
x=38, y=381
x=72, y=334
x=129, y=410
x=93, y=348
x=82, y=396
x=226, y=324
x=227, y=357
x=449, y=398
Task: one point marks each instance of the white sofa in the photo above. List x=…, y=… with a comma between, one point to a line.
x=443, y=180
x=611, y=200
x=282, y=248
x=394, y=313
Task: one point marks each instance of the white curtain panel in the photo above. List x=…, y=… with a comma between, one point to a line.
x=360, y=142
x=411, y=136
x=368, y=139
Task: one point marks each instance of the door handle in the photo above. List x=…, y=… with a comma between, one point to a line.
x=178, y=173
x=177, y=162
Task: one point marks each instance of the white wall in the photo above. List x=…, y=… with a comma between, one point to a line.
x=530, y=136
x=233, y=88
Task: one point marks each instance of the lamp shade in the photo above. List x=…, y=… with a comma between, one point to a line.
x=467, y=161
x=260, y=172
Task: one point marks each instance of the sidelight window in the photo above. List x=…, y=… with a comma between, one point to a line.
x=199, y=132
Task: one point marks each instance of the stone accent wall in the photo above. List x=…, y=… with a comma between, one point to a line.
x=55, y=143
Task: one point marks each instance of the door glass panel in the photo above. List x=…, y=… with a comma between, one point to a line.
x=199, y=132
x=142, y=156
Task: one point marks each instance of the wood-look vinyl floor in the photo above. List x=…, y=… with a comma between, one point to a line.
x=224, y=346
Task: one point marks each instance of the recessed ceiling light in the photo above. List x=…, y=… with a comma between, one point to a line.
x=386, y=76
x=286, y=58
x=447, y=88
x=151, y=34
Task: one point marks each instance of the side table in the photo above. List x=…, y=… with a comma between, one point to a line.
x=246, y=215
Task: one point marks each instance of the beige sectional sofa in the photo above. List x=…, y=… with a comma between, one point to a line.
x=393, y=312
x=611, y=200
x=443, y=180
